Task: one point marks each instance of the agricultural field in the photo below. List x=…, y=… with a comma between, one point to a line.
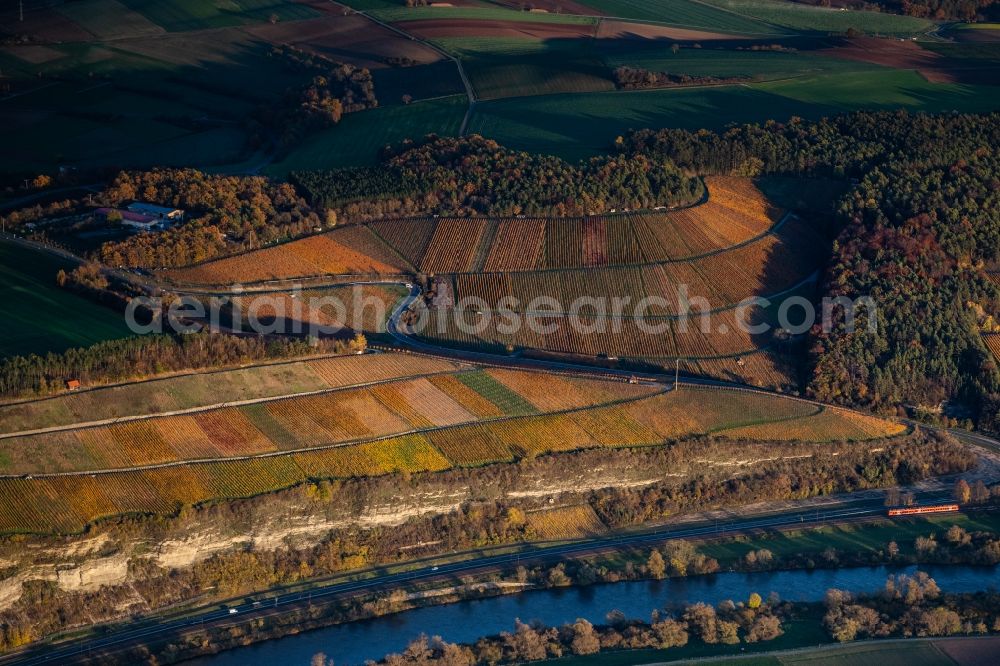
x=322, y=311
x=393, y=12
x=190, y=391
x=736, y=245
x=725, y=61
x=578, y=126
x=992, y=341
x=325, y=417
x=66, y=503
x=115, y=59
x=527, y=64
x=764, y=368
x=684, y=14
x=347, y=250
x=803, y=18
x=194, y=15
x=359, y=137
x=406, y=424
x=174, y=83
x=828, y=424
x=735, y=213
x=40, y=317
x=566, y=522
x=774, y=266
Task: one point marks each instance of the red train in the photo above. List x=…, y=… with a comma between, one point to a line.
x=917, y=510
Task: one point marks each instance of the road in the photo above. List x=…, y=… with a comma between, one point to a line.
x=144, y=631
x=853, y=507
x=470, y=92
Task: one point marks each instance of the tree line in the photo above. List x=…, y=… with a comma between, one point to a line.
x=910, y=606
x=961, y=10
x=144, y=356
x=473, y=175
x=637, y=78
x=729, y=623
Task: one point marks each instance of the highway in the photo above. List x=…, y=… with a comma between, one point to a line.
x=537, y=554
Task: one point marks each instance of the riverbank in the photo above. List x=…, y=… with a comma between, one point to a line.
x=853, y=543
x=801, y=591
x=396, y=589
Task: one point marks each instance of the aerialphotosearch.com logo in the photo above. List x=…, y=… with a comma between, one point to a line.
x=312, y=313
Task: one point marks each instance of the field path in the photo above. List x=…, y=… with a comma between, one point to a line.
x=469, y=90
x=206, y=408
x=325, y=447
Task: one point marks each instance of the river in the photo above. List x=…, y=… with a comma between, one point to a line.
x=352, y=643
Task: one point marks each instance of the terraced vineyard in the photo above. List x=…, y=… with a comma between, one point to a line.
x=826, y=425
x=396, y=406
x=458, y=417
x=193, y=391
x=736, y=212
x=349, y=250
x=659, y=316
x=992, y=341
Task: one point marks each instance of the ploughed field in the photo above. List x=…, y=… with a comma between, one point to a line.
x=362, y=416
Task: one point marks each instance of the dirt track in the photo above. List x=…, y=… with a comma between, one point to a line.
x=555, y=6
x=906, y=55
x=611, y=29
x=352, y=39
x=437, y=28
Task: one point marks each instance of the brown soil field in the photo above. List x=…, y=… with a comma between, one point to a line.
x=459, y=3
x=629, y=30
x=909, y=55
x=353, y=39
x=324, y=6
x=438, y=28
x=35, y=54
x=44, y=25
x=195, y=48
x=984, y=35
x=979, y=652
x=555, y=6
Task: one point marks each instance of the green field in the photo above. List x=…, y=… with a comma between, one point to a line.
x=392, y=12
x=359, y=137
x=438, y=79
x=577, y=126
x=803, y=18
x=684, y=13
x=729, y=62
x=180, y=15
x=917, y=652
x=515, y=67
x=38, y=316
x=168, y=100
x=867, y=538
